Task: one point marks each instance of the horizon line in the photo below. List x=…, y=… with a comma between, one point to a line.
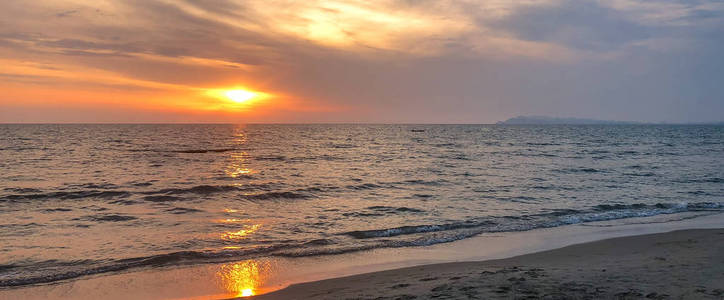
x=350, y=123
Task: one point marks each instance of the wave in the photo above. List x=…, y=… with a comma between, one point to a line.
x=270, y=158
x=703, y=180
x=182, y=210
x=59, y=209
x=161, y=195
x=28, y=273
x=579, y=170
x=646, y=174
x=94, y=186
x=404, y=230
x=190, y=151
x=276, y=195
x=199, y=190
x=379, y=211
x=342, y=146
x=93, y=193
x=67, y=195
x=422, y=182
x=22, y=190
x=162, y=198
x=555, y=218
x=391, y=209
x=204, y=150
x=364, y=186
x=542, y=144
x=13, y=275
x=106, y=218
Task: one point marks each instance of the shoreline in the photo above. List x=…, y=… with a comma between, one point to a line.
x=682, y=264
x=273, y=277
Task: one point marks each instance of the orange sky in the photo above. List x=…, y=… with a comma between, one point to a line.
x=340, y=60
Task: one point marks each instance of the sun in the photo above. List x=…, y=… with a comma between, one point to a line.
x=240, y=96
x=236, y=98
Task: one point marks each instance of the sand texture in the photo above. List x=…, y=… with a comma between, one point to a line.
x=687, y=264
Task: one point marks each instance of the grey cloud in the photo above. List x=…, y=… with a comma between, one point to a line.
x=75, y=45
x=66, y=13
x=173, y=33
x=577, y=24
x=49, y=81
x=94, y=54
x=699, y=14
x=223, y=7
x=22, y=77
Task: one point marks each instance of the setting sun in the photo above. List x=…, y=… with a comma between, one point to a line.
x=240, y=96
x=235, y=98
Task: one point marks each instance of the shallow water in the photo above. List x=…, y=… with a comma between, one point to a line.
x=85, y=199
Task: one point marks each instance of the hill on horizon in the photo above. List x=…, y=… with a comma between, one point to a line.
x=540, y=120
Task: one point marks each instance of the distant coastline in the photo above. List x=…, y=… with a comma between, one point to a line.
x=546, y=120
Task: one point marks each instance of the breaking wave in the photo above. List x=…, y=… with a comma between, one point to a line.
x=405, y=236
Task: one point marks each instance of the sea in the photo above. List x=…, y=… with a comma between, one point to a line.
x=78, y=200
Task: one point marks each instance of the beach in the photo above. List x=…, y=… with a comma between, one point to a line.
x=686, y=264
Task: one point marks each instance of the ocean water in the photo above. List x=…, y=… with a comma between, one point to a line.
x=87, y=199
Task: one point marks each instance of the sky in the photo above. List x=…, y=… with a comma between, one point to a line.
x=386, y=61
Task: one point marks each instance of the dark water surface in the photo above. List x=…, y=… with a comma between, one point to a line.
x=87, y=199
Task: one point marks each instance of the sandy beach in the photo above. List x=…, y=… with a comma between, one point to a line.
x=686, y=264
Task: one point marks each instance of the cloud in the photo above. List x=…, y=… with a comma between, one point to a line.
x=575, y=24
x=66, y=13
x=391, y=60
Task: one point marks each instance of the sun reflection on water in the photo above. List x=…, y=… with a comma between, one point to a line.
x=231, y=220
x=243, y=279
x=238, y=165
x=235, y=172
x=235, y=235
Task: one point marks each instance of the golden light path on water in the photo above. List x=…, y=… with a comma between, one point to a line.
x=239, y=166
x=240, y=234
x=243, y=279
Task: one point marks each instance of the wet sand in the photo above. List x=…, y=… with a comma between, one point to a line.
x=685, y=264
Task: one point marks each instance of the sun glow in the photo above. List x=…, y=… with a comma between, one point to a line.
x=237, y=97
x=240, y=96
